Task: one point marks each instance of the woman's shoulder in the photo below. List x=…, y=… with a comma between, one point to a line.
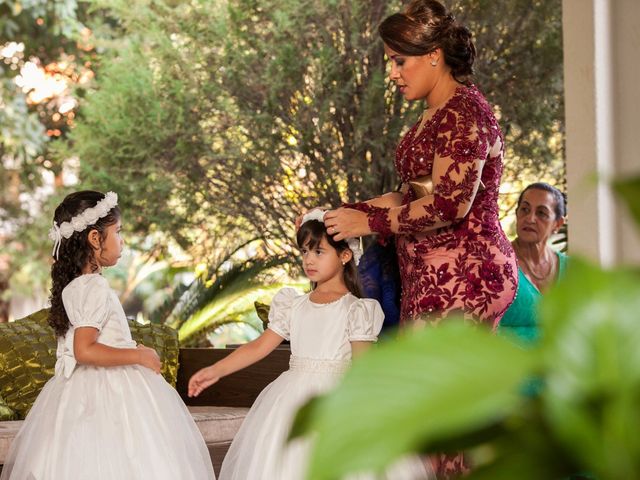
x=468, y=100
x=563, y=259
x=471, y=93
x=467, y=108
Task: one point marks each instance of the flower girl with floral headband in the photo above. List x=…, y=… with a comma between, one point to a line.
x=106, y=414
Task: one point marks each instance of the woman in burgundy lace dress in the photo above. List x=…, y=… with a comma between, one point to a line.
x=452, y=251
x=453, y=254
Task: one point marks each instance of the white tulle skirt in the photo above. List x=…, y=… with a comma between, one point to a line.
x=111, y=423
x=260, y=450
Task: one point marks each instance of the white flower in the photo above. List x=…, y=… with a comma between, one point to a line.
x=103, y=207
x=354, y=246
x=78, y=223
x=111, y=199
x=54, y=233
x=82, y=221
x=66, y=230
x=90, y=216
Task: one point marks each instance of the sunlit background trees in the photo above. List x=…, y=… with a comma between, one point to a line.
x=217, y=121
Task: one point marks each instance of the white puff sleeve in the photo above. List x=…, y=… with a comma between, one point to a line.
x=87, y=302
x=280, y=312
x=364, y=320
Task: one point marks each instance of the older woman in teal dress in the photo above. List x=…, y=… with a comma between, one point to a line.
x=540, y=212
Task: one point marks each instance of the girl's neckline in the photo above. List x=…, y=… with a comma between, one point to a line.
x=328, y=303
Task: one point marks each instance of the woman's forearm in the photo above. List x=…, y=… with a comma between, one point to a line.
x=388, y=200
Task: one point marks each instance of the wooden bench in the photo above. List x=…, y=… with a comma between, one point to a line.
x=218, y=411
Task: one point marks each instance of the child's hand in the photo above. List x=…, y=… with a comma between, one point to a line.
x=202, y=379
x=149, y=358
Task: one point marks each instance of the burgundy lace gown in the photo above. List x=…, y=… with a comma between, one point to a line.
x=452, y=251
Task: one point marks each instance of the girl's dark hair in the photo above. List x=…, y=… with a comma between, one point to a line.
x=560, y=204
x=311, y=234
x=75, y=252
x=426, y=25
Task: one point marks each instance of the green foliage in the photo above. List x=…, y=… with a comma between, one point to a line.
x=262, y=310
x=455, y=388
x=141, y=163
x=229, y=296
x=411, y=393
x=221, y=293
x=519, y=67
x=39, y=24
x=22, y=135
x=47, y=34
x=225, y=119
x=592, y=358
x=256, y=110
x=628, y=189
x=44, y=29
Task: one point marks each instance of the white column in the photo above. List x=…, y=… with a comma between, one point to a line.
x=602, y=108
x=626, y=89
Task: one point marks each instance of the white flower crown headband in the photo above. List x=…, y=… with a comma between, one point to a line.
x=81, y=221
x=354, y=243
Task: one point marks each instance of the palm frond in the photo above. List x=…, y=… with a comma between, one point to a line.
x=235, y=279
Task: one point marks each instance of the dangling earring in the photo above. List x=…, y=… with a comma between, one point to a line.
x=434, y=63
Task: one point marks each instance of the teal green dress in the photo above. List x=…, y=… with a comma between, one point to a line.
x=521, y=318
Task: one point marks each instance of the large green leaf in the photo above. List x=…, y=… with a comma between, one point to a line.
x=410, y=394
x=525, y=450
x=592, y=352
x=629, y=191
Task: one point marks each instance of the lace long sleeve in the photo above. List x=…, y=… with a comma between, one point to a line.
x=461, y=148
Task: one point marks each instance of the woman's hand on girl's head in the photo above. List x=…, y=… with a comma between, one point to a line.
x=202, y=379
x=149, y=358
x=346, y=223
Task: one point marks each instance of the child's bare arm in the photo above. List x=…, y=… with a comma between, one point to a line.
x=240, y=358
x=88, y=351
x=358, y=348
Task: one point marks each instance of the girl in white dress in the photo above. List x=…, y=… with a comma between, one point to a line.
x=107, y=413
x=326, y=328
